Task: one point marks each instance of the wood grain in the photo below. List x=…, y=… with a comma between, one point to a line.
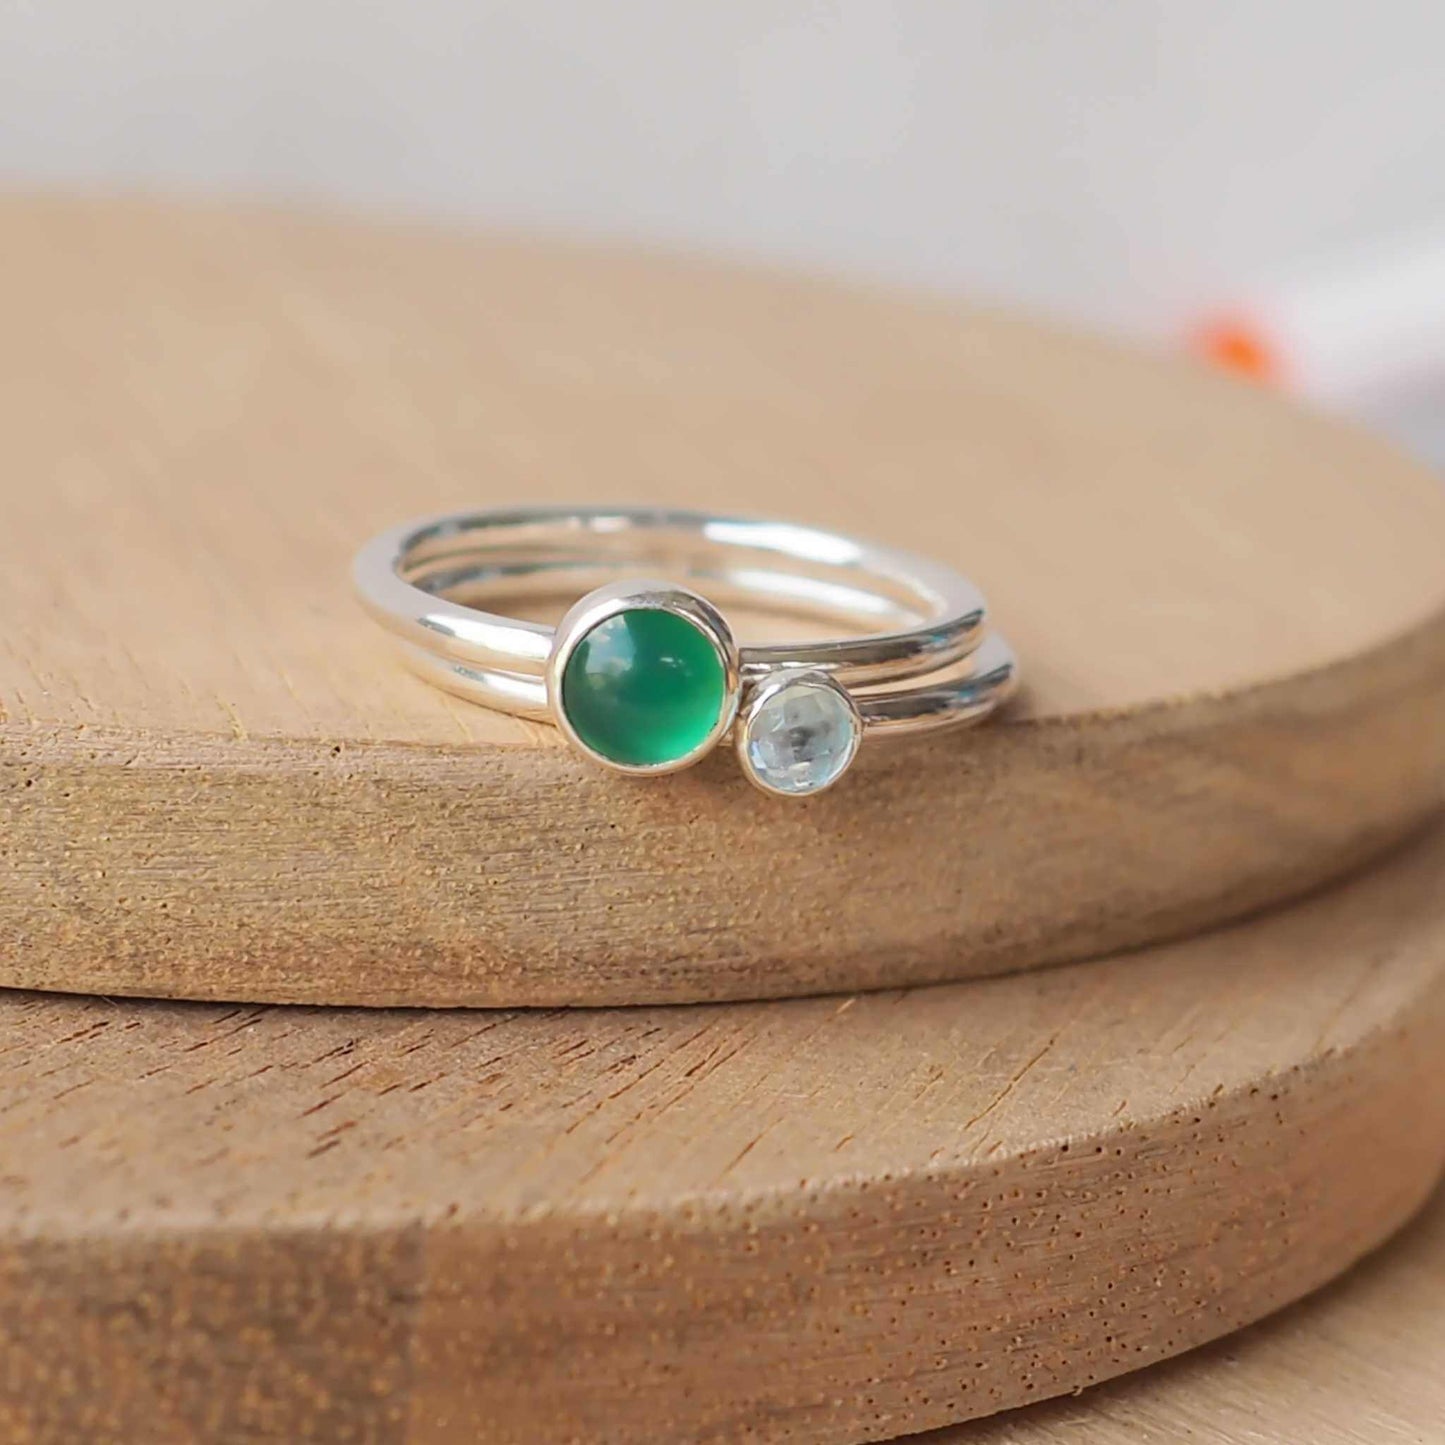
x=1356, y=1365
x=816, y=1220
x=216, y=783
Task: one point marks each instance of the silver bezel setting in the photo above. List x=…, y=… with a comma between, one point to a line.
x=617, y=597
x=766, y=690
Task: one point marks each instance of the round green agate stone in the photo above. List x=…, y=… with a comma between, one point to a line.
x=643, y=688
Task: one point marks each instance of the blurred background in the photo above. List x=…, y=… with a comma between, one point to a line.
x=1262, y=182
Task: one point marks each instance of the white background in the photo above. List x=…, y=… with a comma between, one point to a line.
x=1119, y=162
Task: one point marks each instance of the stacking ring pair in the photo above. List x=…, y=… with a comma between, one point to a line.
x=646, y=677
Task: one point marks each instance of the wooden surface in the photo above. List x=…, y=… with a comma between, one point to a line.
x=215, y=782
x=1359, y=1364
x=817, y=1220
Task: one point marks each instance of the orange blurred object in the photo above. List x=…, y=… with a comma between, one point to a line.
x=1234, y=345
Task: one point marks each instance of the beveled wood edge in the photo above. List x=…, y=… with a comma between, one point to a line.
x=1237, y=802
x=793, y=1294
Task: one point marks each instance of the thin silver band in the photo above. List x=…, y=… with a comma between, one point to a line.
x=919, y=659
x=925, y=615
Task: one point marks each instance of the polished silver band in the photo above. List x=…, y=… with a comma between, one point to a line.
x=917, y=654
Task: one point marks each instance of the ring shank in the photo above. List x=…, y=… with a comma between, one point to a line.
x=923, y=616
x=917, y=659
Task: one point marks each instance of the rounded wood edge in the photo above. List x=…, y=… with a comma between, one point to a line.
x=880, y=1272
x=1360, y=1362
x=218, y=783
x=378, y=874
x=816, y=1221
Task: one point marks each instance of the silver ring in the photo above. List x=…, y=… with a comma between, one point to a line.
x=646, y=676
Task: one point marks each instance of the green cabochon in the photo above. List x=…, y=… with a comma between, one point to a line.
x=643, y=688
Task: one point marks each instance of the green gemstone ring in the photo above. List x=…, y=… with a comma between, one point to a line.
x=645, y=677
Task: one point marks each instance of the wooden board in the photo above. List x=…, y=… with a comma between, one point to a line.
x=818, y=1220
x=215, y=782
x=1356, y=1365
